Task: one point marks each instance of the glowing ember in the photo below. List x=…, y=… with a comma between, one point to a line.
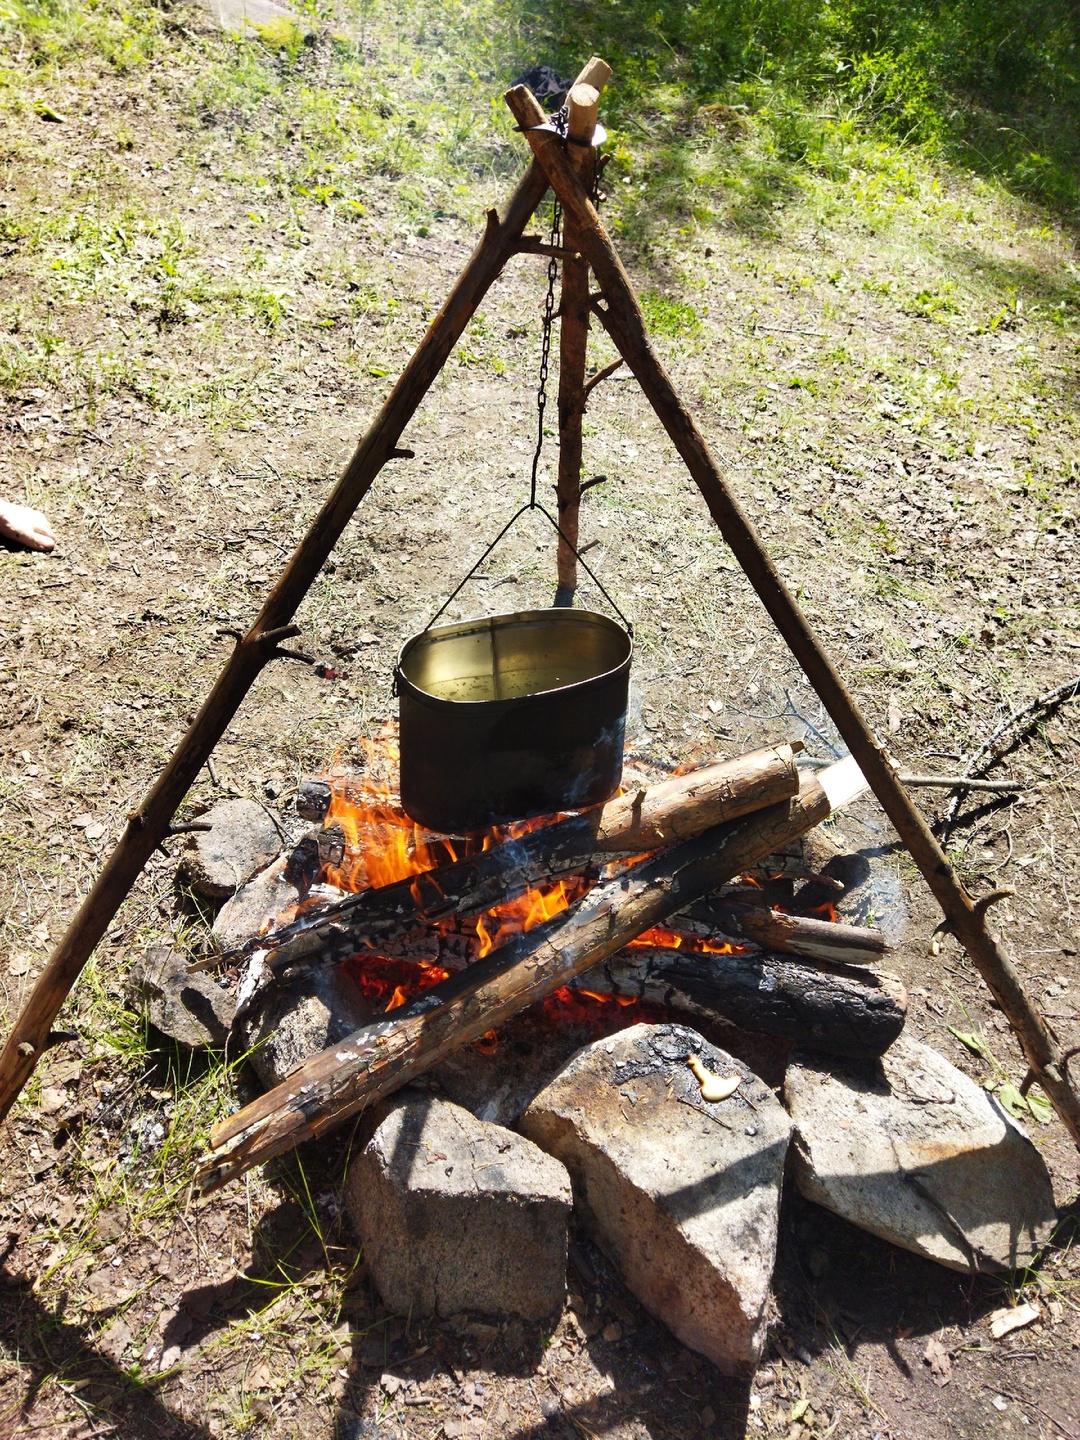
x=693, y=944
x=382, y=845
x=393, y=981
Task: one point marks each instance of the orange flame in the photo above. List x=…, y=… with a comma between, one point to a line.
x=825, y=911
x=382, y=846
x=518, y=917
x=665, y=939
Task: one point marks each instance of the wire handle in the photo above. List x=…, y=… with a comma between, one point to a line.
x=559, y=124
x=535, y=505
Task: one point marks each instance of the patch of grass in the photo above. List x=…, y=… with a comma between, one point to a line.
x=995, y=85
x=666, y=315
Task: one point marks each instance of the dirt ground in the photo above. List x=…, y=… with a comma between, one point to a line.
x=194, y=338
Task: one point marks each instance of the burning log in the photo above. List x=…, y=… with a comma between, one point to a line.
x=793, y=934
x=654, y=817
x=840, y=1010
x=385, y=1055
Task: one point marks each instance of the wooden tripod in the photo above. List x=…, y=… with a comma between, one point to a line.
x=618, y=311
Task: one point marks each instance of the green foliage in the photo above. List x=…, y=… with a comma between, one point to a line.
x=667, y=316
x=282, y=33
x=995, y=83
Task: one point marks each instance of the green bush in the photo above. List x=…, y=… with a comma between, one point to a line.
x=995, y=83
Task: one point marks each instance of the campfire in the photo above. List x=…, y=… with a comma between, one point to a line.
x=591, y=987
x=380, y=846
x=439, y=936
x=634, y=935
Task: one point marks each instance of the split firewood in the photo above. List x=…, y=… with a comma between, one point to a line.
x=833, y=1008
x=649, y=819
x=794, y=934
x=386, y=1054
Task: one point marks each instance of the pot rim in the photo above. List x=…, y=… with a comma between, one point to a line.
x=559, y=614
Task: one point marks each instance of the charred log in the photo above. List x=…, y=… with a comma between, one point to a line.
x=674, y=809
x=381, y=1057
x=834, y=1008
x=313, y=800
x=794, y=934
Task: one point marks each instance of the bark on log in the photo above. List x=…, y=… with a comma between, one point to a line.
x=583, y=101
x=672, y=810
x=834, y=1008
x=387, y=1054
x=148, y=824
x=795, y=934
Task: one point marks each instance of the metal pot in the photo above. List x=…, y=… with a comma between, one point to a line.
x=511, y=715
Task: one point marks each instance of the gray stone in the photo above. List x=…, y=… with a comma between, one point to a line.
x=254, y=907
x=457, y=1214
x=194, y=1010
x=499, y=1087
x=913, y=1150
x=288, y=1023
x=682, y=1194
x=242, y=839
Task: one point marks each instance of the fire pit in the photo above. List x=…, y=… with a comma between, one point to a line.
x=620, y=986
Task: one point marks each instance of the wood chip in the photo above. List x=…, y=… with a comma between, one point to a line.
x=1013, y=1317
x=713, y=1087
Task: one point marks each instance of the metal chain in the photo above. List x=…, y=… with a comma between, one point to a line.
x=545, y=349
x=560, y=122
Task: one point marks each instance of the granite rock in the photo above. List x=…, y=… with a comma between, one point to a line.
x=254, y=907
x=288, y=1022
x=242, y=839
x=193, y=1010
x=683, y=1194
x=913, y=1150
x=456, y=1214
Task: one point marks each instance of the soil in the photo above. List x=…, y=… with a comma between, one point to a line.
x=913, y=469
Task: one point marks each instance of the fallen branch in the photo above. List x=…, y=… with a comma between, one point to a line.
x=991, y=750
x=955, y=782
x=381, y=1057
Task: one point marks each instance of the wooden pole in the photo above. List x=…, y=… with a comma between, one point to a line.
x=389, y=1052
x=148, y=825
x=583, y=102
x=625, y=323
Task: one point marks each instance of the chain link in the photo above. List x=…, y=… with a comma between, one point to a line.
x=545, y=348
x=560, y=122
